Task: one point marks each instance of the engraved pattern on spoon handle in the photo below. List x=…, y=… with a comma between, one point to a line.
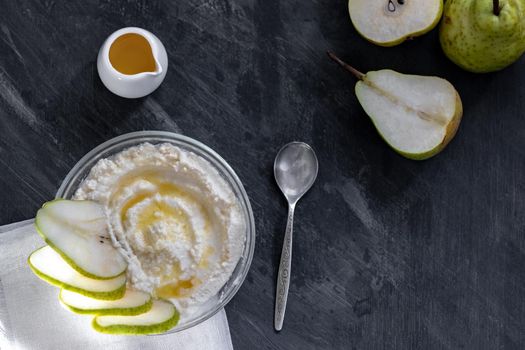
x=283, y=278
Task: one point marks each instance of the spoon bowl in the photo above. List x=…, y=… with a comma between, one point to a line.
x=295, y=169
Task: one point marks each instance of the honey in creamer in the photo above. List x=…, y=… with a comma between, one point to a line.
x=131, y=54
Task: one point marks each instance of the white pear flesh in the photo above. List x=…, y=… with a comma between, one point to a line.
x=47, y=264
x=160, y=318
x=416, y=115
x=388, y=23
x=77, y=230
x=132, y=303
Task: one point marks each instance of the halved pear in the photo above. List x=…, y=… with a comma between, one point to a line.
x=47, y=264
x=77, y=230
x=390, y=22
x=161, y=317
x=416, y=115
x=132, y=303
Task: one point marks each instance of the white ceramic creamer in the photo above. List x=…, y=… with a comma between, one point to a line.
x=132, y=62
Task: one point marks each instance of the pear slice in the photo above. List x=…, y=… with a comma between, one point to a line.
x=132, y=303
x=77, y=230
x=162, y=317
x=416, y=115
x=47, y=264
x=390, y=22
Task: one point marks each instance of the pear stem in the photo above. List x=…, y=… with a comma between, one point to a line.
x=495, y=9
x=346, y=66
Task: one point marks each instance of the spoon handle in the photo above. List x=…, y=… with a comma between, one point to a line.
x=283, y=279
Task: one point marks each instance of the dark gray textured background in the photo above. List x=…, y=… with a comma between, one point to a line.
x=389, y=253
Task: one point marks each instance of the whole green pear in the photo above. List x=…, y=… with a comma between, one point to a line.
x=483, y=35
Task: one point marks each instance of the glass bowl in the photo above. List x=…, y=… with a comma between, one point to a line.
x=111, y=147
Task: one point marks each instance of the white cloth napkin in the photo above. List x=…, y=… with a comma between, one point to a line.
x=32, y=318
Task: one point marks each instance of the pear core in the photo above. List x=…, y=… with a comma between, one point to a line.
x=390, y=22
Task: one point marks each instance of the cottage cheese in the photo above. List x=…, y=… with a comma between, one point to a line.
x=173, y=217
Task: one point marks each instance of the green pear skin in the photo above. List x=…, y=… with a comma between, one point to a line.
x=65, y=235
x=477, y=39
x=45, y=264
x=126, y=306
x=154, y=321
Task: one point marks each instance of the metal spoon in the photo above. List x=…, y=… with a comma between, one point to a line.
x=295, y=170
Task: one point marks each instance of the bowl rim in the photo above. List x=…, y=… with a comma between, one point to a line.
x=80, y=166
